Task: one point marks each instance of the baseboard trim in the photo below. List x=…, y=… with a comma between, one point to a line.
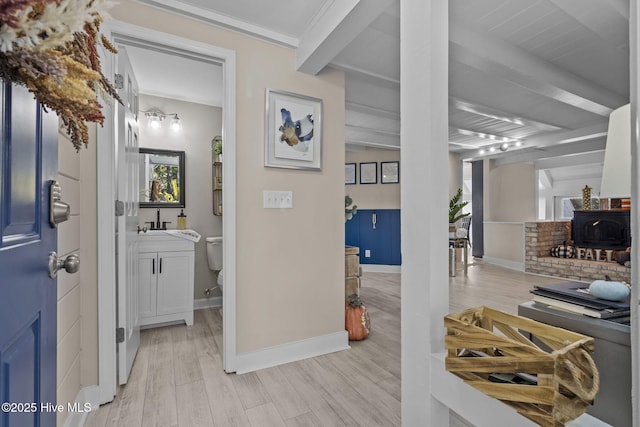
x=207, y=303
x=87, y=400
x=380, y=268
x=278, y=355
x=513, y=265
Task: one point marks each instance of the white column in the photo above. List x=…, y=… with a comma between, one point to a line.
x=634, y=40
x=424, y=202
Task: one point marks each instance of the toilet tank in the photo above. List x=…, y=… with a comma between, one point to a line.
x=214, y=252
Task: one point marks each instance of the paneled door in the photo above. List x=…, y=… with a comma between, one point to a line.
x=127, y=223
x=28, y=164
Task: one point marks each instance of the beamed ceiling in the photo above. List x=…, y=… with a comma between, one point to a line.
x=541, y=76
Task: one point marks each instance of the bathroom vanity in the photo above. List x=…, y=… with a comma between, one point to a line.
x=166, y=275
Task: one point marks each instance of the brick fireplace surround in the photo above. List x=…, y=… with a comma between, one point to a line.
x=540, y=237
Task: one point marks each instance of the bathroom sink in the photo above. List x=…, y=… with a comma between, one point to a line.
x=154, y=232
x=185, y=234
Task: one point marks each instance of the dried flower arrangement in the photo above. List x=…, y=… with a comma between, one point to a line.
x=49, y=46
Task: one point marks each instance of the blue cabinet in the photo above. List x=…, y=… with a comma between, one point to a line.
x=382, y=240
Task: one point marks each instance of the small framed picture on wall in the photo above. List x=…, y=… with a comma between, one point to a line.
x=349, y=173
x=390, y=172
x=369, y=173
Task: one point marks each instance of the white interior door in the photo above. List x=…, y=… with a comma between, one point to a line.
x=127, y=219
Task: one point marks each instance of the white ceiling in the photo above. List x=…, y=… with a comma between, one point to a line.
x=176, y=77
x=545, y=73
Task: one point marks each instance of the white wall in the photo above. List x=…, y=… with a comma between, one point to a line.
x=455, y=173
x=76, y=364
x=509, y=201
x=200, y=123
x=285, y=257
x=510, y=192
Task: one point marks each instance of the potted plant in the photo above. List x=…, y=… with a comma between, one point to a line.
x=349, y=212
x=455, y=211
x=217, y=148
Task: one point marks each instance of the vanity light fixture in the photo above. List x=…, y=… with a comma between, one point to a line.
x=175, y=124
x=155, y=116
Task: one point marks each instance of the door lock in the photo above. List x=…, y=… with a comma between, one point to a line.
x=71, y=264
x=58, y=210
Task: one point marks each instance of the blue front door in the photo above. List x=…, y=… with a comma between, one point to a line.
x=28, y=162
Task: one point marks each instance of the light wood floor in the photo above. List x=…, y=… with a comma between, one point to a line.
x=177, y=378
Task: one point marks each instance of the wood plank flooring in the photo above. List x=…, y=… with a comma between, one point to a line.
x=177, y=378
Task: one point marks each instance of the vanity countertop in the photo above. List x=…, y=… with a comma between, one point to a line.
x=187, y=234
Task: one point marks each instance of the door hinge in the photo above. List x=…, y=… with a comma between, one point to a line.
x=119, y=335
x=118, y=81
x=119, y=208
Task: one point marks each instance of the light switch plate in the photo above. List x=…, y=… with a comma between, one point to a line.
x=277, y=199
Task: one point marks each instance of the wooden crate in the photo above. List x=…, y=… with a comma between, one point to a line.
x=351, y=270
x=567, y=378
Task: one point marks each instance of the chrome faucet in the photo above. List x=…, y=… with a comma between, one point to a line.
x=158, y=226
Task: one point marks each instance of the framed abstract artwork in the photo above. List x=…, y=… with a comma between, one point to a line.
x=293, y=129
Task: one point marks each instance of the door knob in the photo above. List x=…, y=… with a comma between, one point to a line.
x=71, y=264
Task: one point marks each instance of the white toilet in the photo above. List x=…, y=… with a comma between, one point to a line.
x=214, y=256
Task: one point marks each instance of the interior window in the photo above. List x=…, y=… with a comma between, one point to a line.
x=566, y=205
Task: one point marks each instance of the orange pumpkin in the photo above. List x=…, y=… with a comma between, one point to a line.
x=357, y=320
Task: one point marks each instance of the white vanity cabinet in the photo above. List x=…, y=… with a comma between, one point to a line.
x=166, y=274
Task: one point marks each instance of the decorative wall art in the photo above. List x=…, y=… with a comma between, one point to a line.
x=369, y=173
x=350, y=173
x=293, y=128
x=390, y=172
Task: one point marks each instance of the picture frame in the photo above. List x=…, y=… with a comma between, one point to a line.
x=390, y=172
x=293, y=131
x=350, y=173
x=369, y=173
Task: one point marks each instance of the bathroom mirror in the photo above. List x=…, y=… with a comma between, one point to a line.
x=161, y=178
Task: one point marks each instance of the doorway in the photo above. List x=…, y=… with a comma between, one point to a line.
x=140, y=37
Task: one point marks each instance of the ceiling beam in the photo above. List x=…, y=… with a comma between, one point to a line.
x=587, y=158
x=374, y=111
x=355, y=72
x=493, y=113
x=534, y=154
x=594, y=131
x=333, y=30
x=489, y=138
x=493, y=55
x=356, y=142
x=372, y=131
